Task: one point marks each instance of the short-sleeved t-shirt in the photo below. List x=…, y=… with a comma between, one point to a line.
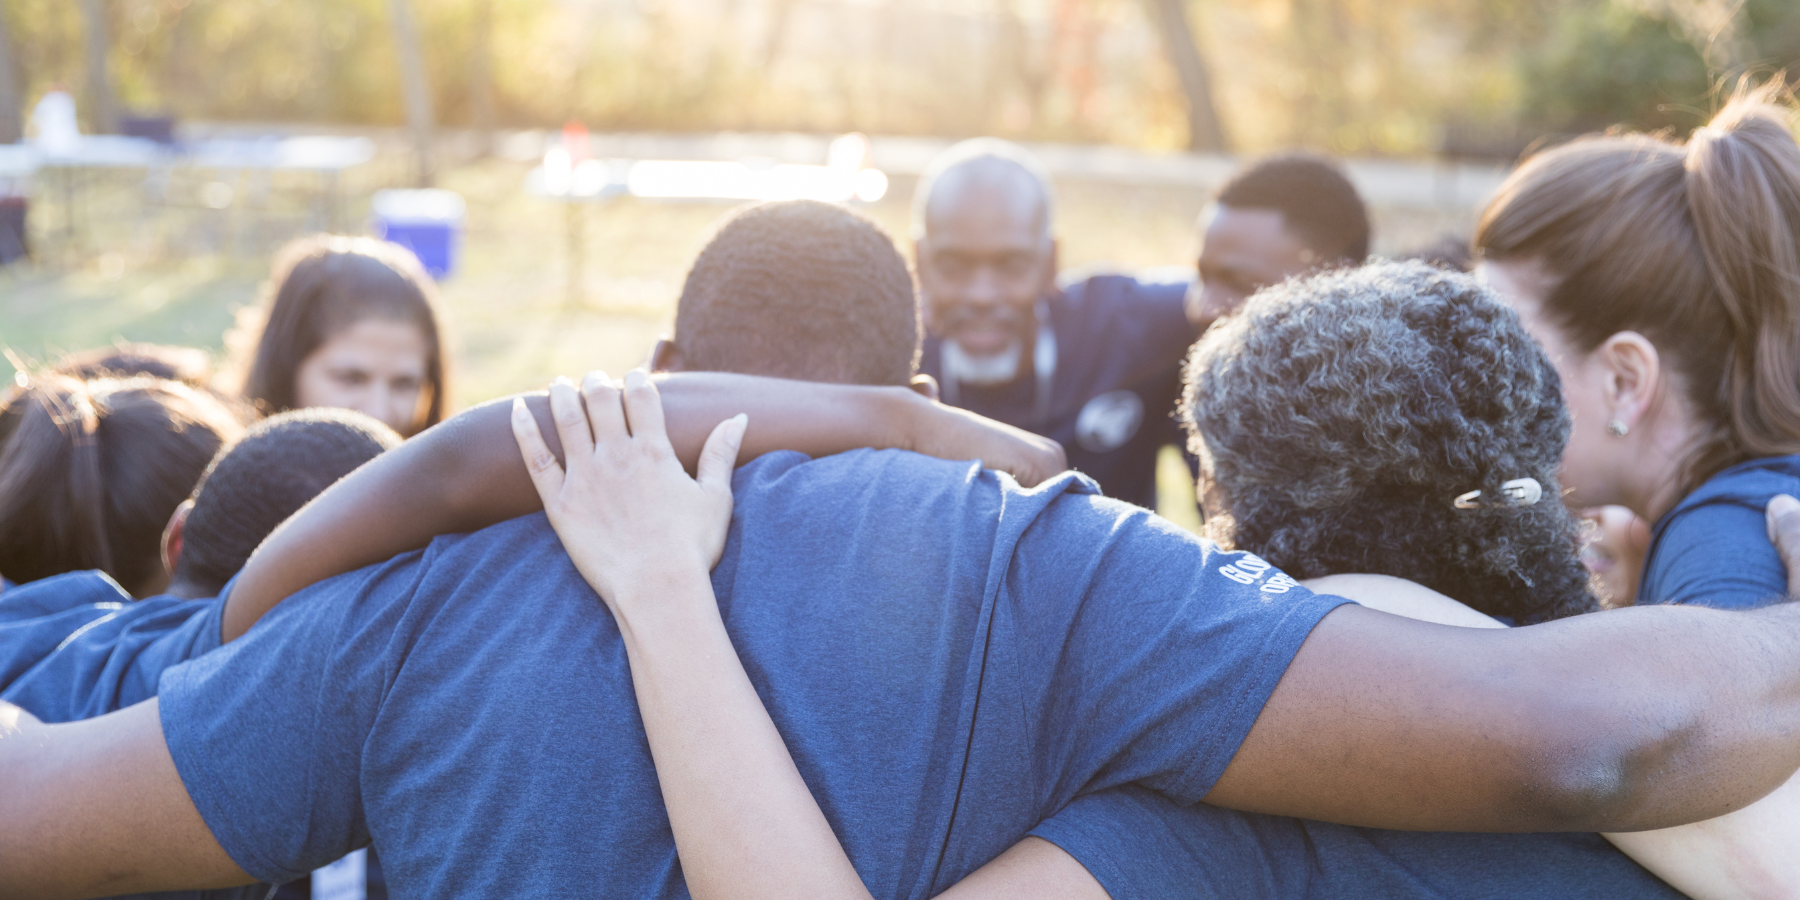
x=1713, y=549
x=1139, y=844
x=1120, y=343
x=951, y=659
x=76, y=646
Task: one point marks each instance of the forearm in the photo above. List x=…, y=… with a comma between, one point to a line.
x=96, y=808
x=1745, y=855
x=745, y=823
x=465, y=474
x=1624, y=720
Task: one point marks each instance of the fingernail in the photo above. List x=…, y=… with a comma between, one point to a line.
x=563, y=379
x=519, y=411
x=1783, y=503
x=741, y=421
x=634, y=378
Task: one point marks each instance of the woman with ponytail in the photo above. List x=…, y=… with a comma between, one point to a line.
x=91, y=471
x=1664, y=280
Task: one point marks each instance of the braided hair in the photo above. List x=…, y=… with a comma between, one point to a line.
x=1341, y=415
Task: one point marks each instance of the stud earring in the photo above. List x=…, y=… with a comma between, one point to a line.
x=1617, y=428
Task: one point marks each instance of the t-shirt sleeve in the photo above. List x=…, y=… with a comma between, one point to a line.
x=1717, y=554
x=1138, y=843
x=267, y=732
x=1147, y=653
x=110, y=661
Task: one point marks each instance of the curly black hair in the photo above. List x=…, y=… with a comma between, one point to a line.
x=1342, y=414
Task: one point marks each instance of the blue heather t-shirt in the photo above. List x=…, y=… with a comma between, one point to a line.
x=950, y=658
x=1138, y=844
x=76, y=646
x=1713, y=549
x=1120, y=343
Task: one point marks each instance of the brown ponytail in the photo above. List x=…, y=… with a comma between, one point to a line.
x=92, y=470
x=1695, y=246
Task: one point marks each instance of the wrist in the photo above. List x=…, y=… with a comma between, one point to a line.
x=664, y=598
x=914, y=418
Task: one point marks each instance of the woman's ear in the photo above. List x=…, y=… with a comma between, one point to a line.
x=1633, y=376
x=173, y=535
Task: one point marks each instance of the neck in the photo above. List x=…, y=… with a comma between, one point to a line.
x=1661, y=464
x=188, y=590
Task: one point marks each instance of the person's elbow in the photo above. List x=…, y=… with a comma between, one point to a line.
x=1605, y=769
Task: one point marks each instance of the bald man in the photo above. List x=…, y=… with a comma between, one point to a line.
x=1094, y=362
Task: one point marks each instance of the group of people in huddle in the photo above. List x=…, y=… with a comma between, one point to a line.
x=814, y=607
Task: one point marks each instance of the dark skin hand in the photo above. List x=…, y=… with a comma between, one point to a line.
x=465, y=473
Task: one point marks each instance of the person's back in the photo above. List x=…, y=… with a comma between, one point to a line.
x=900, y=608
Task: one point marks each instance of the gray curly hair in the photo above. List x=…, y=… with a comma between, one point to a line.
x=1341, y=414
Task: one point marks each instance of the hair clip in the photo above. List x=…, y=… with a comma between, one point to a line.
x=1518, y=492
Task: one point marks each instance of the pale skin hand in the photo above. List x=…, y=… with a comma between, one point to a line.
x=644, y=535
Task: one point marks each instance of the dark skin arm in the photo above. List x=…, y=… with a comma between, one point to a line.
x=465, y=474
x=1627, y=720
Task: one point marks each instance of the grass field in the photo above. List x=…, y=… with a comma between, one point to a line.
x=186, y=275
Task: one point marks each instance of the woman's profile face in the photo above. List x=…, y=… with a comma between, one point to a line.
x=1591, y=463
x=376, y=367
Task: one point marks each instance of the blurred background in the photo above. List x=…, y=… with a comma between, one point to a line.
x=244, y=123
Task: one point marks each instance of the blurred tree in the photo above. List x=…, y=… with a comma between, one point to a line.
x=1205, y=130
x=102, y=110
x=12, y=102
x=418, y=90
x=1608, y=63
x=481, y=76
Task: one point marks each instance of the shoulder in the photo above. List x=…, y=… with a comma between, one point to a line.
x=59, y=593
x=1748, y=484
x=1106, y=286
x=1713, y=549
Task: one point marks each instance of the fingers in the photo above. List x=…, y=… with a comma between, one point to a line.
x=546, y=475
x=720, y=454
x=604, y=411
x=643, y=408
x=571, y=421
x=1783, y=519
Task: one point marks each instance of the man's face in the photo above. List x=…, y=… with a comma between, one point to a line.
x=1242, y=251
x=985, y=259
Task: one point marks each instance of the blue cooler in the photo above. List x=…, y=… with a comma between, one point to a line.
x=427, y=222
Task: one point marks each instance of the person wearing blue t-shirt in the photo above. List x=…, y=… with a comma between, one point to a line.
x=1663, y=279
x=1327, y=493
x=1094, y=364
x=77, y=645
x=950, y=657
x=1094, y=360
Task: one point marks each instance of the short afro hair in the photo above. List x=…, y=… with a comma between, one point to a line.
x=1342, y=414
x=1317, y=202
x=800, y=289
x=280, y=464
